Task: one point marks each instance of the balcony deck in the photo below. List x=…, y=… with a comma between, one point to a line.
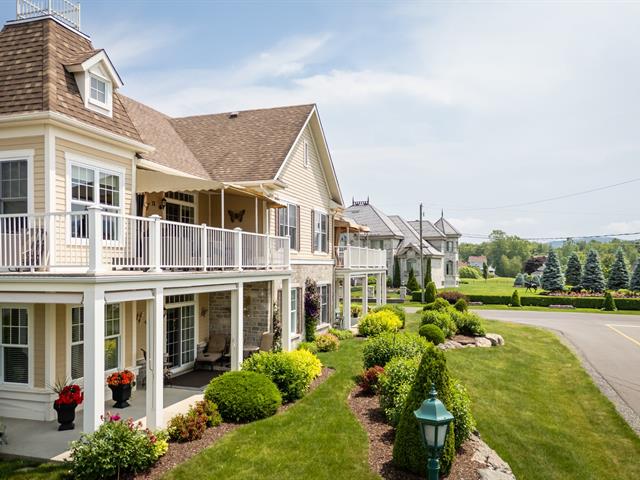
x=360, y=258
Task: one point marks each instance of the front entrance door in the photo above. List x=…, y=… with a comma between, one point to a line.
x=180, y=331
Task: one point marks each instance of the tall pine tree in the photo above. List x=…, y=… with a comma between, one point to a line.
x=573, y=275
x=427, y=272
x=412, y=281
x=635, y=279
x=396, y=281
x=552, y=279
x=592, y=277
x=619, y=274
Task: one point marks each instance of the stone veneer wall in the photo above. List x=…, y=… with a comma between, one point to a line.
x=257, y=308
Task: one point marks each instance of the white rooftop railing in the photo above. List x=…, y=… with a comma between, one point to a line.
x=64, y=10
x=95, y=241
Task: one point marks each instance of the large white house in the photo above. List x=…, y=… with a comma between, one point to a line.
x=125, y=233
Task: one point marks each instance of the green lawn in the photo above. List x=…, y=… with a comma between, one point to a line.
x=547, y=309
x=317, y=438
x=491, y=286
x=25, y=470
x=541, y=412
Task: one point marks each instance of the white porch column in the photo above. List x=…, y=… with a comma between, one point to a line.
x=365, y=295
x=379, y=288
x=285, y=314
x=237, y=331
x=346, y=301
x=383, y=277
x=155, y=360
x=94, y=358
x=50, y=348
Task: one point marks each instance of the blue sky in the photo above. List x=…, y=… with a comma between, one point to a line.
x=464, y=106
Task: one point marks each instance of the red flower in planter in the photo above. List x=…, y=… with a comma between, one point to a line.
x=69, y=394
x=125, y=377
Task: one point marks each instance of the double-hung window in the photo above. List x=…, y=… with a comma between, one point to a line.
x=13, y=186
x=93, y=186
x=324, y=303
x=293, y=320
x=288, y=224
x=14, y=345
x=77, y=342
x=320, y=232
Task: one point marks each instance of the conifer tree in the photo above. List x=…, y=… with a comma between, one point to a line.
x=635, y=279
x=552, y=279
x=515, y=299
x=396, y=282
x=573, y=275
x=619, y=274
x=412, y=281
x=427, y=272
x=485, y=270
x=519, y=281
x=609, y=304
x=430, y=293
x=592, y=277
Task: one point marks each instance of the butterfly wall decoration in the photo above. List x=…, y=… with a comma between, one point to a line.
x=236, y=216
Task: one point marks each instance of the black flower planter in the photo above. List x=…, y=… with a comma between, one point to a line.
x=66, y=415
x=120, y=394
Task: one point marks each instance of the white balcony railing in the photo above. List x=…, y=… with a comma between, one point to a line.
x=65, y=10
x=360, y=257
x=98, y=241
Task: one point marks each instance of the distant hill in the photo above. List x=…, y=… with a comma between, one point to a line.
x=559, y=243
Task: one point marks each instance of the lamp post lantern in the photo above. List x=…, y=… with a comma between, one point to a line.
x=434, y=420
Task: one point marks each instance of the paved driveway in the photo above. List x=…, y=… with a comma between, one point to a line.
x=609, y=343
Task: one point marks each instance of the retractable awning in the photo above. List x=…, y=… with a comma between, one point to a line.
x=149, y=181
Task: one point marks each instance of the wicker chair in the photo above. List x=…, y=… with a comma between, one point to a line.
x=214, y=351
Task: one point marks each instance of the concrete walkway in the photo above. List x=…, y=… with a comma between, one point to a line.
x=609, y=346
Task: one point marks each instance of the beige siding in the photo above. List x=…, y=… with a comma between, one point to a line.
x=38, y=345
x=307, y=188
x=239, y=204
x=37, y=145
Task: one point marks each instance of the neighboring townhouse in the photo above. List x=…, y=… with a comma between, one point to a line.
x=445, y=237
x=477, y=261
x=127, y=237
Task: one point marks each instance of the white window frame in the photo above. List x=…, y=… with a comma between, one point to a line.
x=182, y=203
x=97, y=167
x=72, y=343
x=22, y=155
x=305, y=154
x=317, y=221
x=119, y=336
x=294, y=314
x=30, y=356
x=325, y=286
x=295, y=247
x=106, y=107
x=186, y=303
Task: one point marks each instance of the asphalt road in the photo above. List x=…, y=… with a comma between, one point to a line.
x=609, y=343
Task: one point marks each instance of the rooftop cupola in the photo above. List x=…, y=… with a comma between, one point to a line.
x=65, y=11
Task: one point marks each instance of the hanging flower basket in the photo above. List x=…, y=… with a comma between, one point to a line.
x=120, y=384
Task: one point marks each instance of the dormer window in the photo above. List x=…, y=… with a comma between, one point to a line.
x=99, y=90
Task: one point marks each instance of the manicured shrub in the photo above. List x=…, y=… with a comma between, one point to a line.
x=412, y=282
x=592, y=277
x=368, y=379
x=395, y=384
x=470, y=272
x=308, y=363
x=379, y=322
x=451, y=296
x=408, y=452
x=635, y=278
x=609, y=304
x=440, y=305
x=430, y=292
x=379, y=350
x=311, y=309
x=464, y=423
x=308, y=346
x=461, y=305
x=327, y=342
x=187, y=427
x=341, y=334
x=116, y=448
x=244, y=396
x=210, y=411
x=519, y=280
x=552, y=279
x=468, y=323
x=515, y=299
x=427, y=272
x=416, y=296
x=432, y=333
x=619, y=274
x=573, y=274
x=442, y=319
x=284, y=369
x=397, y=309
x=372, y=281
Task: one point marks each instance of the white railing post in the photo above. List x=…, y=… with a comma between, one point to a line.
x=346, y=256
x=155, y=243
x=95, y=239
x=203, y=246
x=268, y=253
x=237, y=240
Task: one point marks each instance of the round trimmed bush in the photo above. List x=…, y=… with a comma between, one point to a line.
x=440, y=304
x=244, y=396
x=327, y=342
x=379, y=350
x=442, y=319
x=468, y=323
x=308, y=363
x=308, y=346
x=432, y=333
x=341, y=334
x=378, y=322
x=397, y=309
x=461, y=305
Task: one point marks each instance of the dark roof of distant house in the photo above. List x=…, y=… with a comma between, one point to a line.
x=378, y=222
x=428, y=229
x=445, y=227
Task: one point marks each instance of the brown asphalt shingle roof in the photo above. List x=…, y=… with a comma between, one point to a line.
x=33, y=77
x=248, y=147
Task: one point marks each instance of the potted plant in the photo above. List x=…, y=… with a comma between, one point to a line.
x=120, y=384
x=69, y=397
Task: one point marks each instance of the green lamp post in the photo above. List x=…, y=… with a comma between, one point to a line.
x=434, y=420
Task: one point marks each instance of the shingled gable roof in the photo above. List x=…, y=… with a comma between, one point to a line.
x=245, y=146
x=379, y=224
x=444, y=226
x=428, y=229
x=412, y=237
x=34, y=77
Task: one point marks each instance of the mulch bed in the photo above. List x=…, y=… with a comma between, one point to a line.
x=381, y=435
x=181, y=452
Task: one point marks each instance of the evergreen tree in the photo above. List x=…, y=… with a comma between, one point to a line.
x=485, y=270
x=592, y=277
x=412, y=282
x=573, y=275
x=397, y=281
x=519, y=281
x=619, y=274
x=635, y=279
x=552, y=279
x=430, y=292
x=427, y=272
x=515, y=299
x=609, y=304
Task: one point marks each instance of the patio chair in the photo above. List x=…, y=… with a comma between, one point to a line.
x=266, y=344
x=215, y=350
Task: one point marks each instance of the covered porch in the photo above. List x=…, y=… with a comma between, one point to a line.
x=344, y=280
